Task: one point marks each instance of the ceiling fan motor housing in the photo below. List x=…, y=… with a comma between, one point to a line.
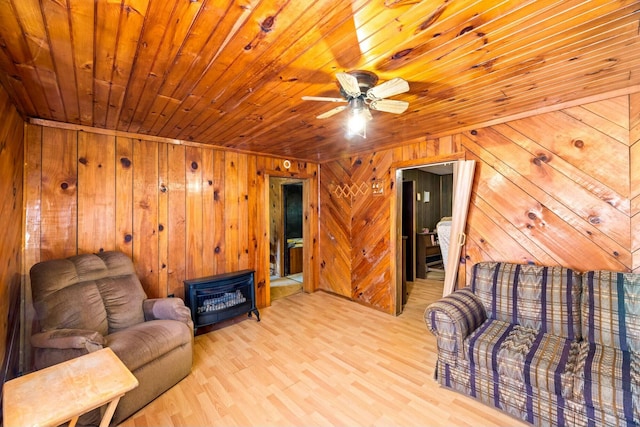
x=366, y=80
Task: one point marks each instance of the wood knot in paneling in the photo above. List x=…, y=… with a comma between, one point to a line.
x=401, y=54
x=431, y=19
x=540, y=159
x=267, y=24
x=125, y=162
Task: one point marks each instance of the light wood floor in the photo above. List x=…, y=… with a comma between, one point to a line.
x=319, y=360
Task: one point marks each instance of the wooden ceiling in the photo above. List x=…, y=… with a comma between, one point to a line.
x=232, y=73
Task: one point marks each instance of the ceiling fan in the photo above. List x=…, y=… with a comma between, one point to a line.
x=359, y=91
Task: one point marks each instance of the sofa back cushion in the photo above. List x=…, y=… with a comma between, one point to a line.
x=98, y=292
x=543, y=298
x=611, y=309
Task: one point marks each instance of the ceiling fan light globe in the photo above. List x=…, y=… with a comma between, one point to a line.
x=357, y=123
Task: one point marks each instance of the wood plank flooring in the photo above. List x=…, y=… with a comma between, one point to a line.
x=319, y=360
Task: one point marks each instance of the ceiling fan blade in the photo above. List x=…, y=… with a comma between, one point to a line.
x=389, y=105
x=388, y=88
x=331, y=112
x=349, y=84
x=323, y=98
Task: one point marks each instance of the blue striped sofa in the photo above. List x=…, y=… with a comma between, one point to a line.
x=547, y=345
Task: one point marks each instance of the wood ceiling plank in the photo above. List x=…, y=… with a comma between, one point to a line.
x=129, y=29
x=550, y=90
x=519, y=48
x=210, y=30
x=12, y=83
x=260, y=52
x=163, y=43
x=247, y=107
x=510, y=79
x=107, y=18
x=58, y=34
x=138, y=100
x=34, y=55
x=81, y=16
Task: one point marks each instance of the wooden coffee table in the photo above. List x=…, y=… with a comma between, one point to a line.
x=63, y=392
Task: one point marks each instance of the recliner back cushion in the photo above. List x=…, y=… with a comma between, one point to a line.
x=122, y=296
x=611, y=309
x=546, y=299
x=98, y=292
x=63, y=300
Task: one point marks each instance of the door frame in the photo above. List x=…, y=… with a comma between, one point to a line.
x=308, y=284
x=396, y=218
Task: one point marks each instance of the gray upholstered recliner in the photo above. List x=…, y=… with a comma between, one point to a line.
x=87, y=302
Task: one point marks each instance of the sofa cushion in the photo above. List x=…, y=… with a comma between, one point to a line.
x=543, y=298
x=534, y=405
x=520, y=355
x=142, y=343
x=611, y=309
x=608, y=379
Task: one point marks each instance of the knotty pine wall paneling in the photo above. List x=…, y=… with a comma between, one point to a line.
x=173, y=187
x=370, y=238
x=634, y=168
x=145, y=215
x=180, y=211
x=556, y=188
x=96, y=192
x=335, y=229
x=59, y=198
x=11, y=194
x=559, y=182
x=124, y=194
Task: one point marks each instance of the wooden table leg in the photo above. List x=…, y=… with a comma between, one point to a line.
x=111, y=408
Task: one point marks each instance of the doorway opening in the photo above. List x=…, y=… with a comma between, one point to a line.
x=427, y=202
x=286, y=236
x=437, y=230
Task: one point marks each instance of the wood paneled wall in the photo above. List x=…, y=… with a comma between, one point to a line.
x=11, y=189
x=554, y=189
x=179, y=210
x=634, y=168
x=357, y=246
x=440, y=191
x=559, y=188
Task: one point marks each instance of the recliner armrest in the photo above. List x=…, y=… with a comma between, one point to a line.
x=451, y=319
x=69, y=338
x=167, y=309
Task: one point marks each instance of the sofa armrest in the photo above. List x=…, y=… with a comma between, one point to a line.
x=451, y=319
x=63, y=339
x=167, y=309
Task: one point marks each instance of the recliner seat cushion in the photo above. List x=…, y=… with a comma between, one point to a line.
x=142, y=343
